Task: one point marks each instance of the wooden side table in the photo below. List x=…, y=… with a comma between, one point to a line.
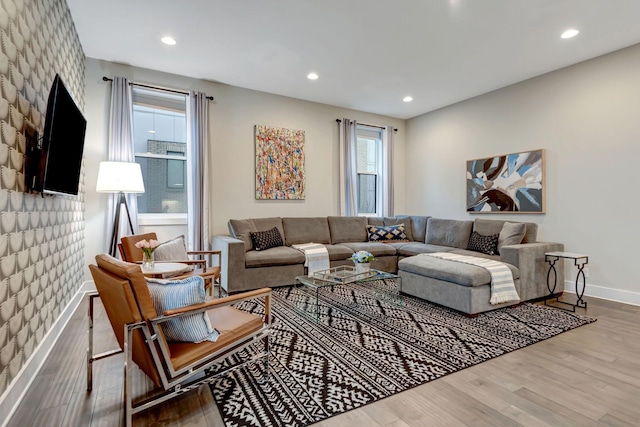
x=579, y=260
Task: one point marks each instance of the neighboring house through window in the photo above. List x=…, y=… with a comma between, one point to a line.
x=160, y=140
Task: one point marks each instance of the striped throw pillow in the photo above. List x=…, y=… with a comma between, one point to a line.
x=170, y=294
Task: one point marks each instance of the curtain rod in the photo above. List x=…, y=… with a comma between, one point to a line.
x=366, y=124
x=107, y=79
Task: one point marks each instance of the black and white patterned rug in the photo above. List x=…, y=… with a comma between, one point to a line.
x=364, y=349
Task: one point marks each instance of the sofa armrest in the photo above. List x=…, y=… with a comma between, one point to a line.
x=232, y=262
x=529, y=258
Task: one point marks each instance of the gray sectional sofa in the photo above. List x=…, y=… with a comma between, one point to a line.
x=462, y=287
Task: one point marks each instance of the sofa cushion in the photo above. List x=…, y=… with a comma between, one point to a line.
x=266, y=239
x=483, y=244
x=376, y=249
x=448, y=232
x=450, y=271
x=512, y=233
x=418, y=226
x=404, y=221
x=282, y=255
x=263, y=224
x=397, y=244
x=306, y=230
x=514, y=270
x=386, y=233
x=240, y=228
x=375, y=220
x=338, y=252
x=493, y=226
x=347, y=228
x=415, y=248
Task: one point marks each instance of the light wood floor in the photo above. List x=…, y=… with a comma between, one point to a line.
x=588, y=376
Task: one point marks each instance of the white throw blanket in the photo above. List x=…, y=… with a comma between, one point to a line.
x=316, y=256
x=502, y=287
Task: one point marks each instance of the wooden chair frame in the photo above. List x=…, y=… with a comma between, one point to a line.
x=210, y=274
x=177, y=382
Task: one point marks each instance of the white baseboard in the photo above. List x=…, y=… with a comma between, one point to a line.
x=14, y=393
x=611, y=294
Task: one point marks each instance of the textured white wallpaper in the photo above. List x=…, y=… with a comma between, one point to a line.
x=41, y=238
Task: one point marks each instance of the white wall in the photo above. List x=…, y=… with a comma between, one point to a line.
x=233, y=115
x=586, y=117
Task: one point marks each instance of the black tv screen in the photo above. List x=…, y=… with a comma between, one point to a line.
x=62, y=143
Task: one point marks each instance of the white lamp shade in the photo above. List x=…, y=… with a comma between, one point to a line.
x=116, y=177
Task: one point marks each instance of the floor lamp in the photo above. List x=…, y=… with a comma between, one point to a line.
x=119, y=178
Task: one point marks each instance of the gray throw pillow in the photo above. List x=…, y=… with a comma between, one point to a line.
x=512, y=233
x=172, y=250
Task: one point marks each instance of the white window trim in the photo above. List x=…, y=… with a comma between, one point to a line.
x=161, y=156
x=162, y=219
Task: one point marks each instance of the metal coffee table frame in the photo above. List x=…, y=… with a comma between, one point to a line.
x=343, y=276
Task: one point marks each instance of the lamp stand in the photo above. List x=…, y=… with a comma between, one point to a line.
x=122, y=200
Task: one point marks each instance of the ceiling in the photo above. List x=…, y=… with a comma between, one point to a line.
x=369, y=54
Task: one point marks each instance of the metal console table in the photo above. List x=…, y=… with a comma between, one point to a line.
x=579, y=260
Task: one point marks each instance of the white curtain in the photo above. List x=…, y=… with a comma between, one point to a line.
x=348, y=168
x=198, y=175
x=120, y=149
x=387, y=171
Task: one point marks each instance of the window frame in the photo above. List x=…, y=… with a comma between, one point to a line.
x=173, y=156
x=146, y=97
x=372, y=134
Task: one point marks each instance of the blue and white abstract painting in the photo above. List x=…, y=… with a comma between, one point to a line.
x=507, y=183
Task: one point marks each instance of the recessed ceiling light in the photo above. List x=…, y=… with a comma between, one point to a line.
x=569, y=33
x=312, y=76
x=152, y=131
x=168, y=40
x=407, y=99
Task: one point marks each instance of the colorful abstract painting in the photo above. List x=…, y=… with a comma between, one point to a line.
x=279, y=163
x=508, y=183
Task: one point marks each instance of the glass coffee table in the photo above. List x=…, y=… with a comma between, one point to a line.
x=384, y=285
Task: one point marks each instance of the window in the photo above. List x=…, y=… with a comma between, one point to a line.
x=369, y=163
x=160, y=141
x=175, y=170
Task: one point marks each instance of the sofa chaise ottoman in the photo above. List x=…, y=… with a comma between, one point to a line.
x=466, y=287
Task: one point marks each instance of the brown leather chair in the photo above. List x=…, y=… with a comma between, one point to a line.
x=130, y=253
x=175, y=367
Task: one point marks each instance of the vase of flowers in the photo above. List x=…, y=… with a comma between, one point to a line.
x=362, y=260
x=362, y=267
x=147, y=251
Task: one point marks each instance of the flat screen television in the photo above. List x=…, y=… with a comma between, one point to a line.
x=60, y=157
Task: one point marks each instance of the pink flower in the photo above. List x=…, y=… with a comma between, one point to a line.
x=142, y=244
x=151, y=244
